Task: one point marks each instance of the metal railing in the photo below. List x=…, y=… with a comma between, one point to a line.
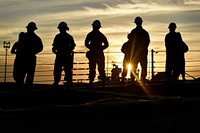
x=45, y=65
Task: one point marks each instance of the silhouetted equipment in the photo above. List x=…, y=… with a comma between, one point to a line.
x=115, y=72
x=6, y=45
x=185, y=47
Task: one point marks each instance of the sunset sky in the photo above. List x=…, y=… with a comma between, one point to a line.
x=116, y=16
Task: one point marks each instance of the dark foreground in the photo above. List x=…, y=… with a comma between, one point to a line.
x=155, y=107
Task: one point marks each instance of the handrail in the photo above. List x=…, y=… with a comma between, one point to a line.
x=81, y=69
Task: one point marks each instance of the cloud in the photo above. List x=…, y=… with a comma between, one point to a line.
x=19, y=9
x=116, y=16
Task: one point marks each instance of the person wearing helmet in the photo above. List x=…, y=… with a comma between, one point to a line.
x=96, y=42
x=175, y=49
x=63, y=46
x=126, y=49
x=26, y=48
x=140, y=40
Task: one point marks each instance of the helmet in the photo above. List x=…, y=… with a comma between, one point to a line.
x=172, y=25
x=63, y=25
x=32, y=25
x=138, y=20
x=129, y=36
x=96, y=23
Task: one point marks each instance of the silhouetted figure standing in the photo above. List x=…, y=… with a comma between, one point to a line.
x=26, y=48
x=127, y=50
x=63, y=46
x=96, y=42
x=18, y=63
x=184, y=49
x=140, y=40
x=175, y=49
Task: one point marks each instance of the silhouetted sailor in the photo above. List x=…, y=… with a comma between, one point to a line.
x=96, y=42
x=63, y=46
x=26, y=48
x=140, y=40
x=127, y=50
x=175, y=49
x=17, y=68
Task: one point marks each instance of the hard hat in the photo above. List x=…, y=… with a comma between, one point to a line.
x=63, y=25
x=138, y=20
x=32, y=25
x=96, y=23
x=129, y=36
x=172, y=25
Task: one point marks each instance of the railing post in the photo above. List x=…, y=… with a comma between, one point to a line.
x=6, y=45
x=152, y=63
x=107, y=62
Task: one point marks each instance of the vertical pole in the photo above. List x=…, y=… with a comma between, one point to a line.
x=107, y=62
x=152, y=64
x=6, y=45
x=5, y=66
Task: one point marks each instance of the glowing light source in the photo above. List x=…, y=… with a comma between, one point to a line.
x=129, y=66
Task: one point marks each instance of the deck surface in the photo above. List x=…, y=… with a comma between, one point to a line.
x=153, y=107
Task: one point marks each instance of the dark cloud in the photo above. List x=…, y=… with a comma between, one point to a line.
x=21, y=8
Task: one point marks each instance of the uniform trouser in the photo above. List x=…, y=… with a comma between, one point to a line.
x=143, y=63
x=182, y=68
x=30, y=71
x=169, y=68
x=24, y=67
x=67, y=63
x=100, y=61
x=18, y=70
x=125, y=68
x=175, y=65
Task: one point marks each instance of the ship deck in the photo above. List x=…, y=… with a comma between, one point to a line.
x=153, y=107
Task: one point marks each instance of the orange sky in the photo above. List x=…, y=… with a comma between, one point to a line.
x=116, y=17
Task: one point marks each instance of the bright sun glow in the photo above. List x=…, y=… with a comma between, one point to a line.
x=129, y=66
